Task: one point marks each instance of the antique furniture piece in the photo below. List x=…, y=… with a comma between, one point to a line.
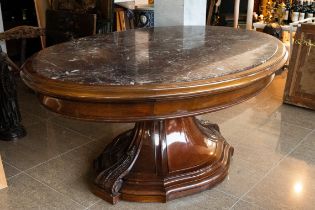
x=10, y=117
x=22, y=32
x=300, y=85
x=3, y=180
x=159, y=78
x=62, y=25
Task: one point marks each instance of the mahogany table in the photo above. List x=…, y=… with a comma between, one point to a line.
x=159, y=78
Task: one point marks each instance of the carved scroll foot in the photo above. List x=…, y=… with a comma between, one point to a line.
x=114, y=164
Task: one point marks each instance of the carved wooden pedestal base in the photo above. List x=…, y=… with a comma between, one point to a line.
x=161, y=160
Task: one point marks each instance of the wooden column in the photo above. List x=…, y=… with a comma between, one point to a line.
x=250, y=11
x=236, y=12
x=3, y=180
x=41, y=6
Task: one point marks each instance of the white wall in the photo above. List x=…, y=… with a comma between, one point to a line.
x=2, y=43
x=179, y=12
x=168, y=13
x=195, y=12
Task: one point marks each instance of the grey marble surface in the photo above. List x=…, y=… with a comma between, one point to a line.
x=155, y=56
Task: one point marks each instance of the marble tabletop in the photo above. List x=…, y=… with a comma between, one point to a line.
x=155, y=56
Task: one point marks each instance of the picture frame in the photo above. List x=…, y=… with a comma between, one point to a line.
x=300, y=85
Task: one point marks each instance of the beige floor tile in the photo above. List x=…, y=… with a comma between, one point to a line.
x=256, y=153
x=242, y=115
x=30, y=104
x=122, y=205
x=255, y=111
x=259, y=158
x=295, y=115
x=242, y=176
x=306, y=150
x=43, y=141
x=96, y=130
x=212, y=117
x=29, y=119
x=210, y=199
x=28, y=194
x=10, y=171
x=291, y=185
x=282, y=128
x=71, y=174
x=233, y=132
x=279, y=137
x=243, y=205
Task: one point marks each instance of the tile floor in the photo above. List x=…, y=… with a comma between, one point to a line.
x=273, y=166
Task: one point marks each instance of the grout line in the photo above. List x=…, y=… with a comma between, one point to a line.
x=273, y=167
x=299, y=126
x=9, y=164
x=93, y=204
x=271, y=118
x=55, y=157
x=52, y=189
x=227, y=193
x=8, y=179
x=41, y=118
x=46, y=161
x=72, y=130
x=251, y=203
x=38, y=119
x=58, y=156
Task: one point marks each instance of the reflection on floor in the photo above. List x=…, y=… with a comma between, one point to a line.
x=273, y=166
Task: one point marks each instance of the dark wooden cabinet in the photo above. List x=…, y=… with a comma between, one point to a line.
x=300, y=86
x=17, y=13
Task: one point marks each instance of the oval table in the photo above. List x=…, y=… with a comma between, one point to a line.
x=159, y=78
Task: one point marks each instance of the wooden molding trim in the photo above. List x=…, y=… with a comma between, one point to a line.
x=148, y=102
x=83, y=92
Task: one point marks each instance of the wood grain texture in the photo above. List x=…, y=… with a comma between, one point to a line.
x=3, y=180
x=41, y=6
x=150, y=153
x=164, y=108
